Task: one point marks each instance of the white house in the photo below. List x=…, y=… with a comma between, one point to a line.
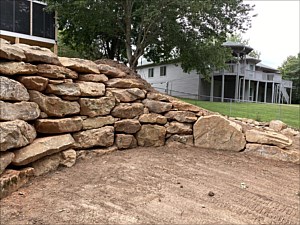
x=246, y=79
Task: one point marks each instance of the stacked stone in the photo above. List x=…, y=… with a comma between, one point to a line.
x=54, y=109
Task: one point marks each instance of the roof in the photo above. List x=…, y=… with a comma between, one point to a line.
x=261, y=65
x=238, y=48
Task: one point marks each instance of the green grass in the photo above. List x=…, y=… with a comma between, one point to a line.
x=289, y=114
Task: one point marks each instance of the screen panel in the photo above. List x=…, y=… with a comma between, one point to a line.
x=7, y=15
x=22, y=17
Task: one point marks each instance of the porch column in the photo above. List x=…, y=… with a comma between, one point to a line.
x=266, y=87
x=273, y=86
x=291, y=95
x=223, y=87
x=237, y=79
x=249, y=86
x=244, y=85
x=257, y=91
x=212, y=88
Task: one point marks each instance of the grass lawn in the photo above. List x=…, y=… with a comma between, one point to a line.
x=290, y=114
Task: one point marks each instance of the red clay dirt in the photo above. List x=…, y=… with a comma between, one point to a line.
x=161, y=186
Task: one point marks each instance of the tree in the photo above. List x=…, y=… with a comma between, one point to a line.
x=239, y=39
x=189, y=31
x=290, y=70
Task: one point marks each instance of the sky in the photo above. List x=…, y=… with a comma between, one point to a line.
x=275, y=30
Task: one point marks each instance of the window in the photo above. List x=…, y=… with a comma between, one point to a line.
x=150, y=72
x=163, y=71
x=43, y=22
x=251, y=67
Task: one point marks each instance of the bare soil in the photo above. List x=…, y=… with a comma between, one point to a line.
x=161, y=186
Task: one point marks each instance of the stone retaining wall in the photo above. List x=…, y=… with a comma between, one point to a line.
x=55, y=110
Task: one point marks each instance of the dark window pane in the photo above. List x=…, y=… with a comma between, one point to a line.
x=22, y=16
x=38, y=20
x=6, y=15
x=49, y=25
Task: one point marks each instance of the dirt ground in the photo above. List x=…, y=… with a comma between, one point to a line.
x=161, y=186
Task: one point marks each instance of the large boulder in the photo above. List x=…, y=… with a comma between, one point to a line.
x=129, y=126
x=111, y=71
x=127, y=95
x=179, y=128
x=216, y=132
x=182, y=116
x=12, y=180
x=7, y=51
x=128, y=110
x=58, y=126
x=153, y=118
x=38, y=54
x=19, y=111
x=15, y=134
x=93, y=77
x=277, y=125
x=13, y=68
x=273, y=152
x=68, y=89
x=54, y=106
x=91, y=89
x=97, y=122
x=268, y=137
x=125, y=141
x=56, y=72
x=42, y=147
x=5, y=159
x=79, y=65
x=11, y=90
x=96, y=107
x=103, y=137
x=125, y=83
x=151, y=135
x=157, y=106
x=36, y=83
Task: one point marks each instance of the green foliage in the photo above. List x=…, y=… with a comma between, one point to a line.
x=190, y=31
x=263, y=112
x=290, y=70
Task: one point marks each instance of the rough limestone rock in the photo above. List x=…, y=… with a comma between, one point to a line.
x=216, y=132
x=183, y=106
x=111, y=71
x=289, y=132
x=36, y=83
x=58, y=126
x=12, y=180
x=15, y=134
x=97, y=122
x=183, y=139
x=56, y=72
x=128, y=110
x=38, y=54
x=12, y=90
x=96, y=107
x=157, y=106
x=125, y=141
x=268, y=137
x=151, y=135
x=91, y=89
x=93, y=77
x=273, y=152
x=42, y=147
x=54, y=106
x=7, y=51
x=5, y=159
x=68, y=158
x=96, y=137
x=128, y=126
x=182, y=116
x=153, y=118
x=19, y=111
x=79, y=65
x=68, y=89
x=125, y=83
x=46, y=164
x=127, y=95
x=179, y=128
x=157, y=96
x=277, y=125
x=13, y=68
